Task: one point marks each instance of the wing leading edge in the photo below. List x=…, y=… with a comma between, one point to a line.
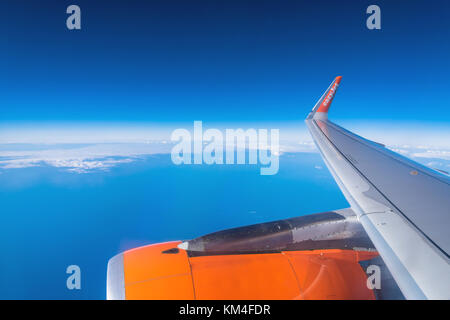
x=403, y=206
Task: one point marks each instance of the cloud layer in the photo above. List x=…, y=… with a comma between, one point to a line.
x=76, y=158
x=94, y=157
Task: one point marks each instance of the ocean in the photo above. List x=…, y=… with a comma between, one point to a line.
x=52, y=218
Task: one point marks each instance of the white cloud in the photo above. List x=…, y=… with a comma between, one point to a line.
x=108, y=145
x=440, y=157
x=75, y=158
x=440, y=154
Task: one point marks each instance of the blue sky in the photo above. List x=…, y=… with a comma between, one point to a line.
x=136, y=72
x=169, y=61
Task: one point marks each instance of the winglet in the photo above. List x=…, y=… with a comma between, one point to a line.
x=324, y=103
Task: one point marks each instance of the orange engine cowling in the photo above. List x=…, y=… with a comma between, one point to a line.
x=163, y=271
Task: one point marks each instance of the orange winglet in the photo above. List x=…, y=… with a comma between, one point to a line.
x=326, y=102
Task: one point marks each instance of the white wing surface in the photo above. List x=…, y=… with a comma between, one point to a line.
x=403, y=206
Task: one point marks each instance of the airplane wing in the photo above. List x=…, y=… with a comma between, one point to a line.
x=403, y=206
x=399, y=210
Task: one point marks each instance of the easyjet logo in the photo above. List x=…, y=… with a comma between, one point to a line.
x=330, y=94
